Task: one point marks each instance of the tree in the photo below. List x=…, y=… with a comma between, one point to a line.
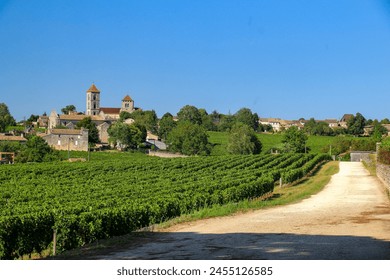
x=189, y=139
x=32, y=118
x=294, y=140
x=340, y=144
x=243, y=140
x=313, y=127
x=226, y=122
x=385, y=121
x=166, y=125
x=68, y=108
x=378, y=131
x=37, y=150
x=310, y=126
x=356, y=125
x=127, y=136
x=5, y=117
x=207, y=120
x=190, y=114
x=246, y=116
x=146, y=118
x=93, y=132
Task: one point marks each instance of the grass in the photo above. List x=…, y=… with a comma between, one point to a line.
x=371, y=166
x=280, y=196
x=316, y=144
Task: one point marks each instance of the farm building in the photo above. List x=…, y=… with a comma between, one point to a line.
x=67, y=139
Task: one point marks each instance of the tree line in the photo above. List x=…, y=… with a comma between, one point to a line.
x=187, y=133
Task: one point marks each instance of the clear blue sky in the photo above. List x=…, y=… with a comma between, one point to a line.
x=280, y=58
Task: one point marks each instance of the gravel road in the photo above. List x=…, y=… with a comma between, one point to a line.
x=349, y=219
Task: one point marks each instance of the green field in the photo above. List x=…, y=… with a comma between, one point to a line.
x=123, y=192
x=316, y=144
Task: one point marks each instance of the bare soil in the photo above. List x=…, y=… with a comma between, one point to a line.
x=349, y=219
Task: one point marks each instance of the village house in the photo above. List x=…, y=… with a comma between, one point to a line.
x=8, y=157
x=274, y=122
x=344, y=120
x=333, y=123
x=67, y=139
x=12, y=138
x=280, y=124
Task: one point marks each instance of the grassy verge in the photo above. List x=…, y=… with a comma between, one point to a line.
x=280, y=197
x=371, y=166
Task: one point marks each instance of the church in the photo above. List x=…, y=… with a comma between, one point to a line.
x=94, y=109
x=103, y=117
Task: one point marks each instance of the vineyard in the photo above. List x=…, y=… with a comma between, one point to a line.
x=86, y=201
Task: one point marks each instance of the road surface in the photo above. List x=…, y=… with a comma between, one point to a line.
x=349, y=219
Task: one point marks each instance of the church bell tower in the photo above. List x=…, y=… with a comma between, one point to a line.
x=93, y=101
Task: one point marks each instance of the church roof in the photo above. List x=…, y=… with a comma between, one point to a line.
x=127, y=98
x=93, y=88
x=110, y=111
x=79, y=117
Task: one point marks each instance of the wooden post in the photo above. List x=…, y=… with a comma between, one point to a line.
x=54, y=242
x=281, y=182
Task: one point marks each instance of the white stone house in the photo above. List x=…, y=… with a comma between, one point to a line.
x=67, y=139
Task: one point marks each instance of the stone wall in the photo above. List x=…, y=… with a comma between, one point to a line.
x=358, y=156
x=383, y=173
x=68, y=141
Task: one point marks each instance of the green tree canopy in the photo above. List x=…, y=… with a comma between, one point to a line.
x=320, y=128
x=356, y=125
x=243, y=140
x=245, y=116
x=127, y=136
x=166, y=125
x=36, y=150
x=385, y=121
x=378, y=131
x=189, y=139
x=226, y=122
x=207, y=120
x=5, y=117
x=93, y=132
x=190, y=114
x=294, y=140
x=68, y=108
x=148, y=119
x=33, y=118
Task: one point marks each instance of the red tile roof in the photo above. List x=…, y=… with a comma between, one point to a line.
x=79, y=117
x=94, y=89
x=127, y=98
x=12, y=138
x=111, y=111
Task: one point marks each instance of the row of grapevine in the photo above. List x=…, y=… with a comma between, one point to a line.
x=84, y=202
x=294, y=174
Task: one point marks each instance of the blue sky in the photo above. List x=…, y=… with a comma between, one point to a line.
x=280, y=58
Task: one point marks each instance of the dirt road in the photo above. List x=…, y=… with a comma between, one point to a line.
x=349, y=219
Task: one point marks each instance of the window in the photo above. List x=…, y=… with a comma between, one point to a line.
x=127, y=105
x=59, y=143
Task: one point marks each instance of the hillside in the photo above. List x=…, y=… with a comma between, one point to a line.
x=269, y=141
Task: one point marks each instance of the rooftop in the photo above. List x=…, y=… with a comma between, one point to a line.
x=94, y=89
x=127, y=98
